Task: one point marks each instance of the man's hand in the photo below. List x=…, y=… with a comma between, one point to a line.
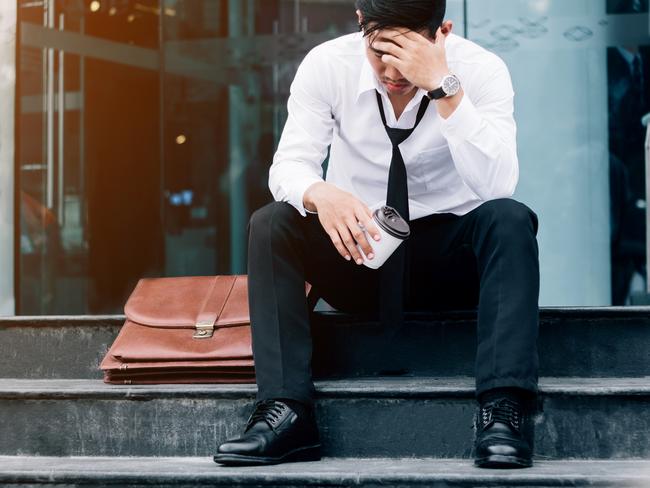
x=421, y=61
x=341, y=214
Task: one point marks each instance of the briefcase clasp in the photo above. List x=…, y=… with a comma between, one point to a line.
x=204, y=330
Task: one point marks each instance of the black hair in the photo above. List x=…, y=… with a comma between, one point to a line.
x=415, y=15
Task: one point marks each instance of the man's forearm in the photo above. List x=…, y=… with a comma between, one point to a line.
x=447, y=106
x=289, y=180
x=483, y=149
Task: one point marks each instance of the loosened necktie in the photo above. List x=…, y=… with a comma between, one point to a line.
x=393, y=272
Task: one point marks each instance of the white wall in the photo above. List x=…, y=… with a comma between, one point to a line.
x=7, y=96
x=556, y=52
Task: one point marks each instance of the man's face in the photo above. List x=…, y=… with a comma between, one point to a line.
x=389, y=76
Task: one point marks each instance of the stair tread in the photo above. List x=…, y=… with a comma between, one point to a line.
x=375, y=387
x=546, y=313
x=329, y=471
x=584, y=342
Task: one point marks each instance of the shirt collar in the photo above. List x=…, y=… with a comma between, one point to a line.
x=367, y=79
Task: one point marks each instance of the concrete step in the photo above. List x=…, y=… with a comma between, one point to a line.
x=603, y=342
x=329, y=472
x=607, y=418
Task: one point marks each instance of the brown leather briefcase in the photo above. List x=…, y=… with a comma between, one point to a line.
x=184, y=330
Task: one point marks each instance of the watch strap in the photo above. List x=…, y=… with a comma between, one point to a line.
x=437, y=94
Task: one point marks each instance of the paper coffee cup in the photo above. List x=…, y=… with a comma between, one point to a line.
x=393, y=230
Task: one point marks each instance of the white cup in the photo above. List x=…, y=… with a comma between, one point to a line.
x=393, y=230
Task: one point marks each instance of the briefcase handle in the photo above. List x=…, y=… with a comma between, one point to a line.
x=213, y=305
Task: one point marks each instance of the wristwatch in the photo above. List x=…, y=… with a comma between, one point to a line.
x=448, y=88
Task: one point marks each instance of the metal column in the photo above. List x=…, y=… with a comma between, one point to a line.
x=237, y=157
x=646, y=123
x=7, y=160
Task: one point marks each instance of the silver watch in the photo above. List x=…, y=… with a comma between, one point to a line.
x=449, y=87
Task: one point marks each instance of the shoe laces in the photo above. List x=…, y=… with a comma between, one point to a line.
x=502, y=410
x=269, y=411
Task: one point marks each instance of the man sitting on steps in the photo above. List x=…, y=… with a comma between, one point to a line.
x=422, y=120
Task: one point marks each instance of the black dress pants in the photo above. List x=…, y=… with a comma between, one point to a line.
x=486, y=258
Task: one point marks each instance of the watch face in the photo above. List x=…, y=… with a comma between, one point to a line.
x=451, y=85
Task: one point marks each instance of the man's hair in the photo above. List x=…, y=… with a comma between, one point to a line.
x=415, y=15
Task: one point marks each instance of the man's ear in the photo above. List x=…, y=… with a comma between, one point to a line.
x=359, y=16
x=447, y=27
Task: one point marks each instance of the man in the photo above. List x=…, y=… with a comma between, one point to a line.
x=450, y=177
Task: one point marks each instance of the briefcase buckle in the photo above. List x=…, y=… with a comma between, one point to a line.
x=204, y=330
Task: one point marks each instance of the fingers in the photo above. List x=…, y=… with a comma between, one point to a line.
x=367, y=228
x=366, y=220
x=345, y=219
x=401, y=37
x=416, y=37
x=338, y=243
x=360, y=238
x=408, y=38
x=388, y=47
x=349, y=236
x=345, y=243
x=393, y=61
x=350, y=243
x=440, y=38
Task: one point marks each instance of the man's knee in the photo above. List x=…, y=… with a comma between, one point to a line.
x=272, y=218
x=508, y=216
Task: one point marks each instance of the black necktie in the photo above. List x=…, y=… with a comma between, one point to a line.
x=394, y=276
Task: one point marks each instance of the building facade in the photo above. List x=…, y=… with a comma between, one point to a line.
x=136, y=136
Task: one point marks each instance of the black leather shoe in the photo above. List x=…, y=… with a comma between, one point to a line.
x=504, y=435
x=274, y=434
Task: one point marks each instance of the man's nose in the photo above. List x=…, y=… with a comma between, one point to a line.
x=392, y=73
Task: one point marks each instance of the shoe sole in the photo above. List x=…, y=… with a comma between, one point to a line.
x=303, y=454
x=503, y=462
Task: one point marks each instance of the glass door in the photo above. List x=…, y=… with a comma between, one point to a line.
x=581, y=72
x=88, y=153
x=49, y=164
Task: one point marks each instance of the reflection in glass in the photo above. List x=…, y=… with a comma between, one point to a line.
x=574, y=108
x=628, y=101
x=88, y=153
x=627, y=6
x=145, y=137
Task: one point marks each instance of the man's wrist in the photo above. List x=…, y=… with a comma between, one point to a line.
x=449, y=86
x=436, y=80
x=448, y=105
x=308, y=200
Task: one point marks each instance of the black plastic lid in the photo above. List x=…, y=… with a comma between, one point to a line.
x=392, y=222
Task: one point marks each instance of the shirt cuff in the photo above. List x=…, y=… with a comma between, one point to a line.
x=298, y=190
x=462, y=123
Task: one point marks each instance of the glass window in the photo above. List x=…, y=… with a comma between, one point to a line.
x=581, y=140
x=146, y=129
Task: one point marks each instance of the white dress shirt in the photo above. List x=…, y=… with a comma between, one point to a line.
x=453, y=164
